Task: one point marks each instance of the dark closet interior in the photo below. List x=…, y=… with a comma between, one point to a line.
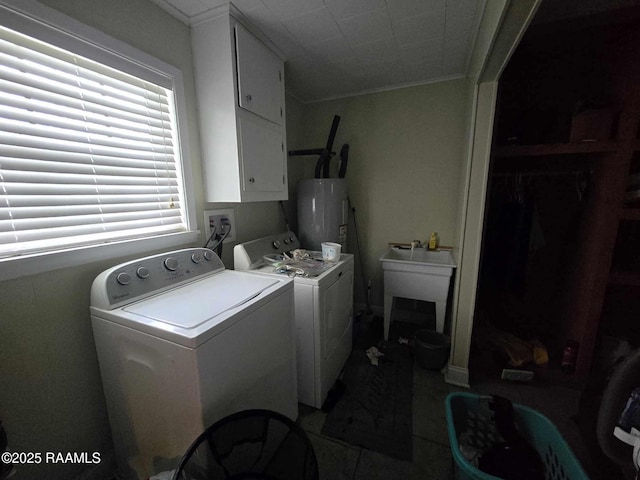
x=560, y=265
x=531, y=229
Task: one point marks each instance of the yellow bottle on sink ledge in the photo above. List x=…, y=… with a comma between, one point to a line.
x=433, y=241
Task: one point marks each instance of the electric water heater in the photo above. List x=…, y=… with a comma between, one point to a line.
x=323, y=211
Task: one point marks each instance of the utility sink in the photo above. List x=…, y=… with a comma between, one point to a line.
x=419, y=256
x=417, y=274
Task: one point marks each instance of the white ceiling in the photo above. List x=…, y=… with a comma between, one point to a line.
x=337, y=48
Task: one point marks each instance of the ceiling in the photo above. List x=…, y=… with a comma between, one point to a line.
x=336, y=48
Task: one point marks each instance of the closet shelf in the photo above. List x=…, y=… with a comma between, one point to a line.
x=626, y=279
x=506, y=151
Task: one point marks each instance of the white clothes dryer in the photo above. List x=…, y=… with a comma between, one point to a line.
x=323, y=296
x=182, y=343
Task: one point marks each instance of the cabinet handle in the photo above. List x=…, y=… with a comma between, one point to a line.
x=248, y=97
x=252, y=180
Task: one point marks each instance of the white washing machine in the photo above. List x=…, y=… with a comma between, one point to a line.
x=182, y=343
x=323, y=297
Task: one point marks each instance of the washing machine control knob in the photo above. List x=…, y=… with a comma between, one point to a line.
x=286, y=241
x=143, y=272
x=171, y=264
x=276, y=244
x=292, y=239
x=208, y=255
x=123, y=278
x=196, y=258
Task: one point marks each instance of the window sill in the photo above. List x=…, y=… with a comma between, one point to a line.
x=16, y=267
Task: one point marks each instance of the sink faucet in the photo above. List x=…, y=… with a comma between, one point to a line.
x=416, y=244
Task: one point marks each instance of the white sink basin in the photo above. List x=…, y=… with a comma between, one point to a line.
x=420, y=275
x=419, y=256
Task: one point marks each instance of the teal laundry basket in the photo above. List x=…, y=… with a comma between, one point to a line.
x=468, y=414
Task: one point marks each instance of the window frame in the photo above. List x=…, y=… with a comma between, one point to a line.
x=51, y=26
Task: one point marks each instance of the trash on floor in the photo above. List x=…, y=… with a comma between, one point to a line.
x=540, y=354
x=628, y=427
x=517, y=375
x=373, y=353
x=518, y=351
x=163, y=475
x=515, y=352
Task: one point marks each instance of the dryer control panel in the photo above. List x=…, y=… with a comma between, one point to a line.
x=147, y=276
x=249, y=255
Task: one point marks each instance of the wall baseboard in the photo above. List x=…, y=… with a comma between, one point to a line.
x=457, y=376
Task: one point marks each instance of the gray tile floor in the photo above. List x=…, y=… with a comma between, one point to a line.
x=432, y=456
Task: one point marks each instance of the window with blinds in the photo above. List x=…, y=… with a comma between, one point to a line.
x=88, y=153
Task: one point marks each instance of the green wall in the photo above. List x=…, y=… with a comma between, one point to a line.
x=404, y=170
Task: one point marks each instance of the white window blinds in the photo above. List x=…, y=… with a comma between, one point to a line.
x=87, y=152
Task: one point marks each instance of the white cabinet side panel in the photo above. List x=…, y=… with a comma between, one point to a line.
x=215, y=83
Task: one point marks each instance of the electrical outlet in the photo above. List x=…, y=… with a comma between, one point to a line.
x=219, y=218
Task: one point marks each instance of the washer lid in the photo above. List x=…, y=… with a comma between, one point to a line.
x=188, y=306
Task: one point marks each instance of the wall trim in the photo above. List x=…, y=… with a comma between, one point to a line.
x=358, y=93
x=457, y=376
x=229, y=9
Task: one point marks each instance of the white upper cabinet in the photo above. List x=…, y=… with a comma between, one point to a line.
x=240, y=95
x=259, y=77
x=262, y=147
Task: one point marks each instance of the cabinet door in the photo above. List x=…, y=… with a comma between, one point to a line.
x=260, y=77
x=263, y=156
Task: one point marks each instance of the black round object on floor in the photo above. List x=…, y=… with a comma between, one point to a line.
x=431, y=348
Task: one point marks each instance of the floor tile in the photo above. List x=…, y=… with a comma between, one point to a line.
x=430, y=378
x=564, y=404
x=335, y=460
x=430, y=461
x=431, y=453
x=429, y=420
x=498, y=387
x=312, y=420
x=559, y=403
